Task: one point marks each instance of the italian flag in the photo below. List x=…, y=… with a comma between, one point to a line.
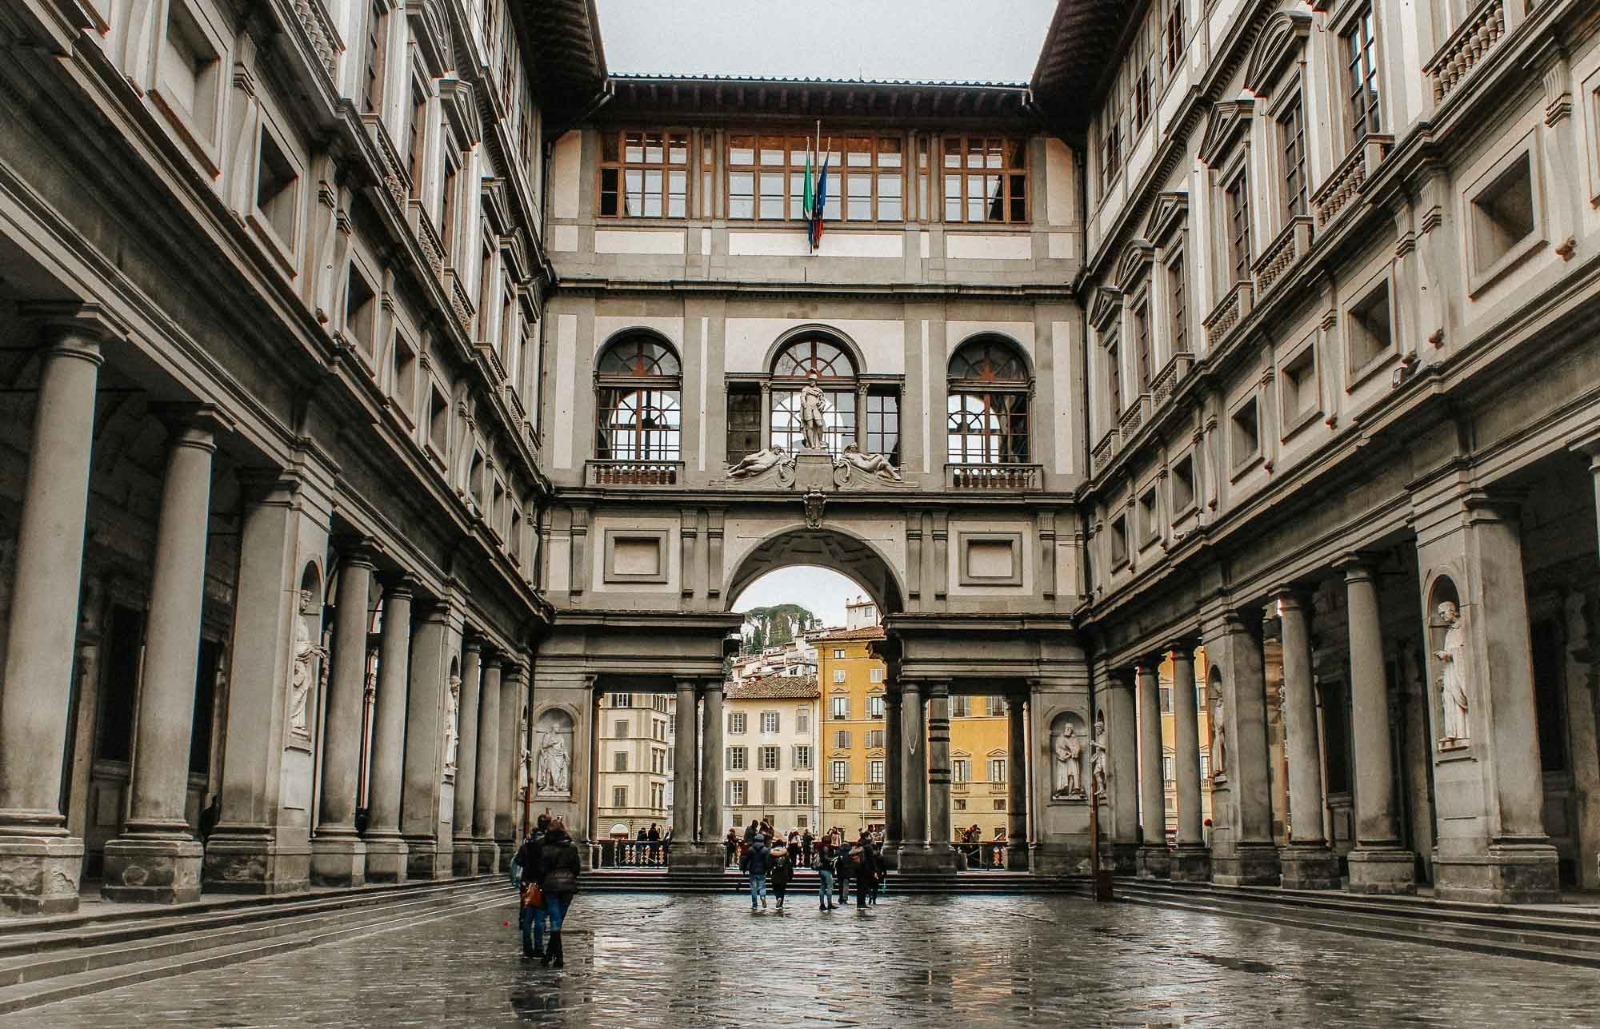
x=816, y=191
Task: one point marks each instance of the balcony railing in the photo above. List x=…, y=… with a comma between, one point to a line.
x=395, y=177
x=992, y=476
x=1348, y=177
x=1162, y=386
x=460, y=303
x=1104, y=451
x=320, y=31
x=634, y=473
x=1473, y=38
x=1227, y=315
x=1133, y=417
x=1293, y=243
x=427, y=237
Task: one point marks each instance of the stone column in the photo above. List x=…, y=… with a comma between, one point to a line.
x=463, y=854
x=42, y=861
x=1155, y=859
x=1122, y=764
x=712, y=828
x=938, y=855
x=914, y=776
x=425, y=809
x=1246, y=854
x=156, y=858
x=487, y=770
x=893, y=776
x=508, y=755
x=1191, y=860
x=386, y=851
x=1379, y=863
x=1016, y=784
x=1307, y=862
x=684, y=776
x=338, y=855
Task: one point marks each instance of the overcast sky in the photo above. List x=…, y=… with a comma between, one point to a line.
x=962, y=40
x=821, y=591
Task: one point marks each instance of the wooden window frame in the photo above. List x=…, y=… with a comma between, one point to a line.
x=840, y=174
x=621, y=166
x=964, y=175
x=1361, y=85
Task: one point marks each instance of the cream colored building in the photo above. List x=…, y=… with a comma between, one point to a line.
x=633, y=787
x=770, y=760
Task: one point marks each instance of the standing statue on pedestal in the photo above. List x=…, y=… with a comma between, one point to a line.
x=1219, y=736
x=814, y=414
x=305, y=652
x=555, y=765
x=1097, y=757
x=1068, y=753
x=1455, y=676
x=452, y=722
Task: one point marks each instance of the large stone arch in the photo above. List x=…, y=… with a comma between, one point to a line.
x=833, y=548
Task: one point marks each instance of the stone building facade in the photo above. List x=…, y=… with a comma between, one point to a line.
x=770, y=762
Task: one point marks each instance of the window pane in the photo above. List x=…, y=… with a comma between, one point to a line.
x=741, y=195
x=889, y=151
x=741, y=150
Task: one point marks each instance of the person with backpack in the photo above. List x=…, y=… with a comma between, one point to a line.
x=559, y=866
x=822, y=859
x=755, y=863
x=782, y=871
x=533, y=918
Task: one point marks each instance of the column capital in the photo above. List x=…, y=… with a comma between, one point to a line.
x=399, y=584
x=1182, y=649
x=1356, y=566
x=76, y=329
x=356, y=552
x=689, y=683
x=1125, y=677
x=1149, y=663
x=1289, y=595
x=710, y=686
x=472, y=645
x=936, y=687
x=192, y=424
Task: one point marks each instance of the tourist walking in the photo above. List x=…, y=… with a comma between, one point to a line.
x=532, y=918
x=559, y=866
x=863, y=868
x=782, y=871
x=729, y=846
x=755, y=863
x=822, y=858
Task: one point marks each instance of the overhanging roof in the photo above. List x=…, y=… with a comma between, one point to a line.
x=712, y=96
x=1082, y=44
x=562, y=41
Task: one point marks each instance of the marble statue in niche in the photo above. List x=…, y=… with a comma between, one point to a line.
x=302, y=673
x=1097, y=757
x=1455, y=676
x=1067, y=751
x=553, y=761
x=452, y=723
x=1219, y=734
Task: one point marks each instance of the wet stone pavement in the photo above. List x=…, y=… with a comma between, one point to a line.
x=912, y=961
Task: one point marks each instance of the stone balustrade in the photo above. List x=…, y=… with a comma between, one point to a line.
x=396, y=179
x=993, y=476
x=1229, y=312
x=1348, y=178
x=1293, y=243
x=634, y=473
x=1473, y=38
x=320, y=31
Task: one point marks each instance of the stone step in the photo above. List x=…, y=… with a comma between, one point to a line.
x=143, y=966
x=1569, y=939
x=612, y=881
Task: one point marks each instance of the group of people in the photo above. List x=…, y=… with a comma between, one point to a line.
x=546, y=868
x=762, y=855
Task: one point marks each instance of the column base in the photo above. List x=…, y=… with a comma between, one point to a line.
x=1309, y=866
x=39, y=874
x=1154, y=863
x=426, y=860
x=1062, y=857
x=508, y=851
x=488, y=856
x=255, y=860
x=1191, y=863
x=1017, y=859
x=687, y=856
x=1250, y=864
x=152, y=868
x=387, y=859
x=338, y=860
x=1124, y=858
x=1510, y=873
x=463, y=858
x=1383, y=871
x=938, y=860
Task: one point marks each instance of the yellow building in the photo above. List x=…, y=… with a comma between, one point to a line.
x=1169, y=737
x=979, y=767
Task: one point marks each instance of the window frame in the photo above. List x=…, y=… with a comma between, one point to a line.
x=1358, y=44
x=621, y=166
x=656, y=393
x=998, y=427
x=840, y=175
x=1007, y=174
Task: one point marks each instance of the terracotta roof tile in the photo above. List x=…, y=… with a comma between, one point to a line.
x=773, y=687
x=872, y=632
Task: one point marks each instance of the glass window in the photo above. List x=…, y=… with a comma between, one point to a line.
x=865, y=177
x=736, y=722
x=1177, y=305
x=619, y=796
x=802, y=720
x=838, y=772
x=838, y=653
x=638, y=417
x=744, y=420
x=960, y=707
x=835, y=373
x=769, y=721
x=997, y=769
x=985, y=179
x=840, y=707
x=619, y=761
x=961, y=770
x=841, y=739
x=769, y=757
x=988, y=404
x=738, y=759
x=644, y=175
x=736, y=792
x=1361, y=77
x=802, y=756
x=875, y=770
x=883, y=423
x=838, y=675
x=876, y=675
x=874, y=707
x=1236, y=209
x=1292, y=150
x=800, y=795
x=874, y=739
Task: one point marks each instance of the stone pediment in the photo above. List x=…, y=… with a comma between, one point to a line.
x=1134, y=263
x=1170, y=213
x=1104, y=307
x=1280, y=42
x=1229, y=120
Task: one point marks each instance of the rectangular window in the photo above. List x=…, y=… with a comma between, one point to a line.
x=883, y=423
x=840, y=708
x=1368, y=329
x=997, y=769
x=838, y=675
x=1166, y=700
x=865, y=177
x=961, y=770
x=985, y=179
x=736, y=721
x=802, y=757
x=736, y=792
x=1177, y=306
x=621, y=700
x=1299, y=391
x=1236, y=209
x=997, y=706
x=1141, y=344
x=1183, y=484
x=644, y=174
x=769, y=721
x=738, y=759
x=1503, y=215
x=875, y=771
x=360, y=311
x=1244, y=439
x=1292, y=148
x=1119, y=540
x=769, y=758
x=802, y=721
x=874, y=707
x=960, y=707
x=838, y=772
x=876, y=675
x=1173, y=37
x=1113, y=375
x=277, y=190
x=1361, y=77
x=372, y=77
x=874, y=739
x=838, y=653
x=417, y=136
x=769, y=792
x=841, y=740
x=619, y=761
x=619, y=796
x=744, y=420
x=800, y=795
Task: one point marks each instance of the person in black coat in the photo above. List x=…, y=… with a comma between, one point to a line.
x=863, y=868
x=532, y=920
x=782, y=872
x=559, y=867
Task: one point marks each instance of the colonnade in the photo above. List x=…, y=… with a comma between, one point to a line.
x=284, y=744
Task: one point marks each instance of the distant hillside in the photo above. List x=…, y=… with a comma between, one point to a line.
x=776, y=625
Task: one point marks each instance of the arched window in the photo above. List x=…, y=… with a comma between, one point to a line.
x=988, y=403
x=818, y=355
x=638, y=417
